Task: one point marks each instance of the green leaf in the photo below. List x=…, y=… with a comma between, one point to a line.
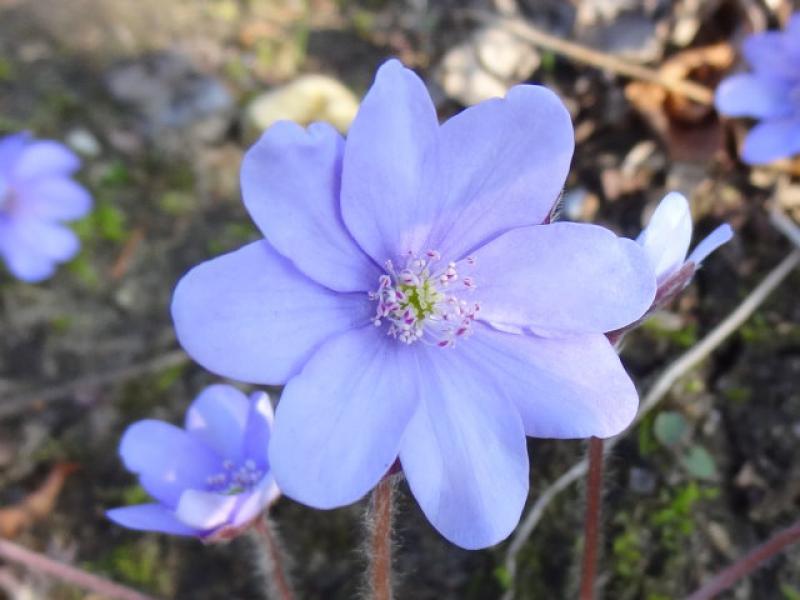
x=670, y=428
x=700, y=463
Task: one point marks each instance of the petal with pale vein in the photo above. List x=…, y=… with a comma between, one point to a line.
x=573, y=387
x=149, y=517
x=339, y=422
x=251, y=315
x=291, y=180
x=562, y=278
x=501, y=164
x=217, y=418
x=389, y=149
x=464, y=452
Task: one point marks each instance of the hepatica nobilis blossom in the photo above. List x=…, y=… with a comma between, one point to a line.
x=411, y=297
x=37, y=194
x=666, y=241
x=770, y=93
x=210, y=479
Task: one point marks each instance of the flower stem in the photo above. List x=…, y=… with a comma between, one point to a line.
x=591, y=528
x=379, y=524
x=273, y=563
x=748, y=563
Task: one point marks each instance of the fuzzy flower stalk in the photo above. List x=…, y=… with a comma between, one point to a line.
x=212, y=478
x=418, y=306
x=37, y=194
x=769, y=93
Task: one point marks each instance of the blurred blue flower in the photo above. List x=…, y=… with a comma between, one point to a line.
x=771, y=93
x=416, y=305
x=36, y=195
x=210, y=479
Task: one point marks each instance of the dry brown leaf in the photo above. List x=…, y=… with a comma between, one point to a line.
x=690, y=130
x=37, y=505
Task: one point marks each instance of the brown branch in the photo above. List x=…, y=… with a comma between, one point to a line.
x=38, y=562
x=595, y=58
x=748, y=563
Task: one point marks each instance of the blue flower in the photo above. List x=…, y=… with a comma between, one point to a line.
x=771, y=93
x=210, y=479
x=414, y=301
x=36, y=195
x=667, y=237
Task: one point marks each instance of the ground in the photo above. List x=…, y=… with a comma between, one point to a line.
x=155, y=94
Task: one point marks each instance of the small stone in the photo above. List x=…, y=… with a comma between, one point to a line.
x=306, y=99
x=83, y=142
x=486, y=65
x=170, y=95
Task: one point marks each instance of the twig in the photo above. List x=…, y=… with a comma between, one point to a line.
x=785, y=225
x=380, y=540
x=594, y=508
x=272, y=561
x=748, y=563
x=601, y=60
x=38, y=562
x=660, y=388
x=17, y=404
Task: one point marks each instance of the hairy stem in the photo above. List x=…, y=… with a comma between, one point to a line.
x=591, y=527
x=379, y=542
x=748, y=563
x=273, y=562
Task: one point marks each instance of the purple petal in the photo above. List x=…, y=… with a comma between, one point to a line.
x=257, y=432
x=254, y=502
x=149, y=517
x=562, y=278
x=767, y=54
x=11, y=147
x=52, y=240
x=25, y=261
x=771, y=140
x=389, y=143
x=167, y=459
x=290, y=185
x=721, y=235
x=54, y=198
x=217, y=418
x=502, y=164
x=339, y=422
x=205, y=510
x=250, y=315
x=464, y=452
x=572, y=387
x=667, y=236
x=45, y=158
x=748, y=95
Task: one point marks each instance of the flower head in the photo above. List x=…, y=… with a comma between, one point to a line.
x=770, y=93
x=36, y=195
x=666, y=240
x=411, y=297
x=210, y=479
x=667, y=237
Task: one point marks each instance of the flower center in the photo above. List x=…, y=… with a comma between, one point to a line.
x=423, y=300
x=234, y=479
